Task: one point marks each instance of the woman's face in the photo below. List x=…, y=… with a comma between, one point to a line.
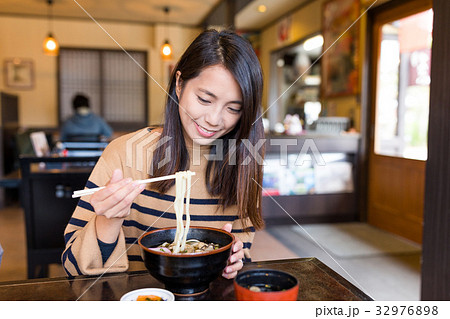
x=209, y=105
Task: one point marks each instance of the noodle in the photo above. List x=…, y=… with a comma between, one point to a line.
x=188, y=216
x=182, y=189
x=181, y=244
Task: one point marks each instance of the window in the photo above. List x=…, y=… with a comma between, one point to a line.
x=403, y=87
x=114, y=83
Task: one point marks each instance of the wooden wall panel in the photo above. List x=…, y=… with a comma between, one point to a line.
x=396, y=196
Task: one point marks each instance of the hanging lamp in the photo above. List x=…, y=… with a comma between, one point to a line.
x=50, y=46
x=166, y=49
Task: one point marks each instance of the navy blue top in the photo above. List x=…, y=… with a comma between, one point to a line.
x=89, y=124
x=106, y=249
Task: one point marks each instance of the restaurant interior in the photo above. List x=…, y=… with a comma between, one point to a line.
x=355, y=90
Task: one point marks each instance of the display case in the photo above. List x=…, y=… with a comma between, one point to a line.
x=310, y=178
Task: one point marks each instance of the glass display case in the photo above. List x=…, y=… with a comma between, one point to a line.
x=314, y=180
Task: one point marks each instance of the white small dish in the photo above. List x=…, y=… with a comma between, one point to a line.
x=133, y=295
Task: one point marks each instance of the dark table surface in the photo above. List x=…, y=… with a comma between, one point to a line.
x=316, y=281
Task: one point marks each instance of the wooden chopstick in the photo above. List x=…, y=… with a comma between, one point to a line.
x=90, y=191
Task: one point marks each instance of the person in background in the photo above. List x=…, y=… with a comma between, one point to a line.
x=84, y=125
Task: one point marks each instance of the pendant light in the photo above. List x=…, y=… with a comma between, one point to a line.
x=166, y=49
x=51, y=46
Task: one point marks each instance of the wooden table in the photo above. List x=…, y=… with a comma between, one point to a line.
x=316, y=280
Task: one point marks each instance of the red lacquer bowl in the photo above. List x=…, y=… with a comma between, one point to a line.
x=272, y=285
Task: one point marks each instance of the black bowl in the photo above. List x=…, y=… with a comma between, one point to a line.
x=186, y=274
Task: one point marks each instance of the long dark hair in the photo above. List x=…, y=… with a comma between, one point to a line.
x=233, y=184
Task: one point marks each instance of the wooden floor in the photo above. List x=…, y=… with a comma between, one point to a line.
x=383, y=277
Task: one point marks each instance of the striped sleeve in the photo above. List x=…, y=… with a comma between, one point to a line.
x=245, y=235
x=82, y=255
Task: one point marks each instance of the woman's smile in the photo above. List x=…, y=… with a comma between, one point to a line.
x=204, y=132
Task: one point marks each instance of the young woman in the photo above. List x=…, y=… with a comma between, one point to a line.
x=212, y=119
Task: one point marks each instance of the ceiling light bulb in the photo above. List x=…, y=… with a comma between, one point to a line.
x=51, y=46
x=166, y=50
x=262, y=8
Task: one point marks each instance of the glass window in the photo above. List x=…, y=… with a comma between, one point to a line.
x=115, y=85
x=403, y=87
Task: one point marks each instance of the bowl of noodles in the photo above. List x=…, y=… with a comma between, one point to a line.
x=191, y=269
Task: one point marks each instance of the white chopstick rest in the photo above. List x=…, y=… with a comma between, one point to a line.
x=90, y=191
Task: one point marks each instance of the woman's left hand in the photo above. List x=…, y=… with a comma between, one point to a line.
x=235, y=262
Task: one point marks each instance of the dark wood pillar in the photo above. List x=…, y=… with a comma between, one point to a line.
x=230, y=14
x=436, y=238
x=224, y=13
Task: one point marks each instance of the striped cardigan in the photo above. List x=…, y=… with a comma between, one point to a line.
x=150, y=210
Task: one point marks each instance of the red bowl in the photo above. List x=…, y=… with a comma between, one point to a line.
x=273, y=285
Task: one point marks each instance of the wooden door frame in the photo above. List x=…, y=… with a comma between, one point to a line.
x=369, y=77
x=391, y=11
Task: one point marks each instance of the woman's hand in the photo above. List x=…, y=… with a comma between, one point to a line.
x=112, y=204
x=235, y=262
x=114, y=201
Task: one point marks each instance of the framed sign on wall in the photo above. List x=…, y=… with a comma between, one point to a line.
x=19, y=73
x=340, y=63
